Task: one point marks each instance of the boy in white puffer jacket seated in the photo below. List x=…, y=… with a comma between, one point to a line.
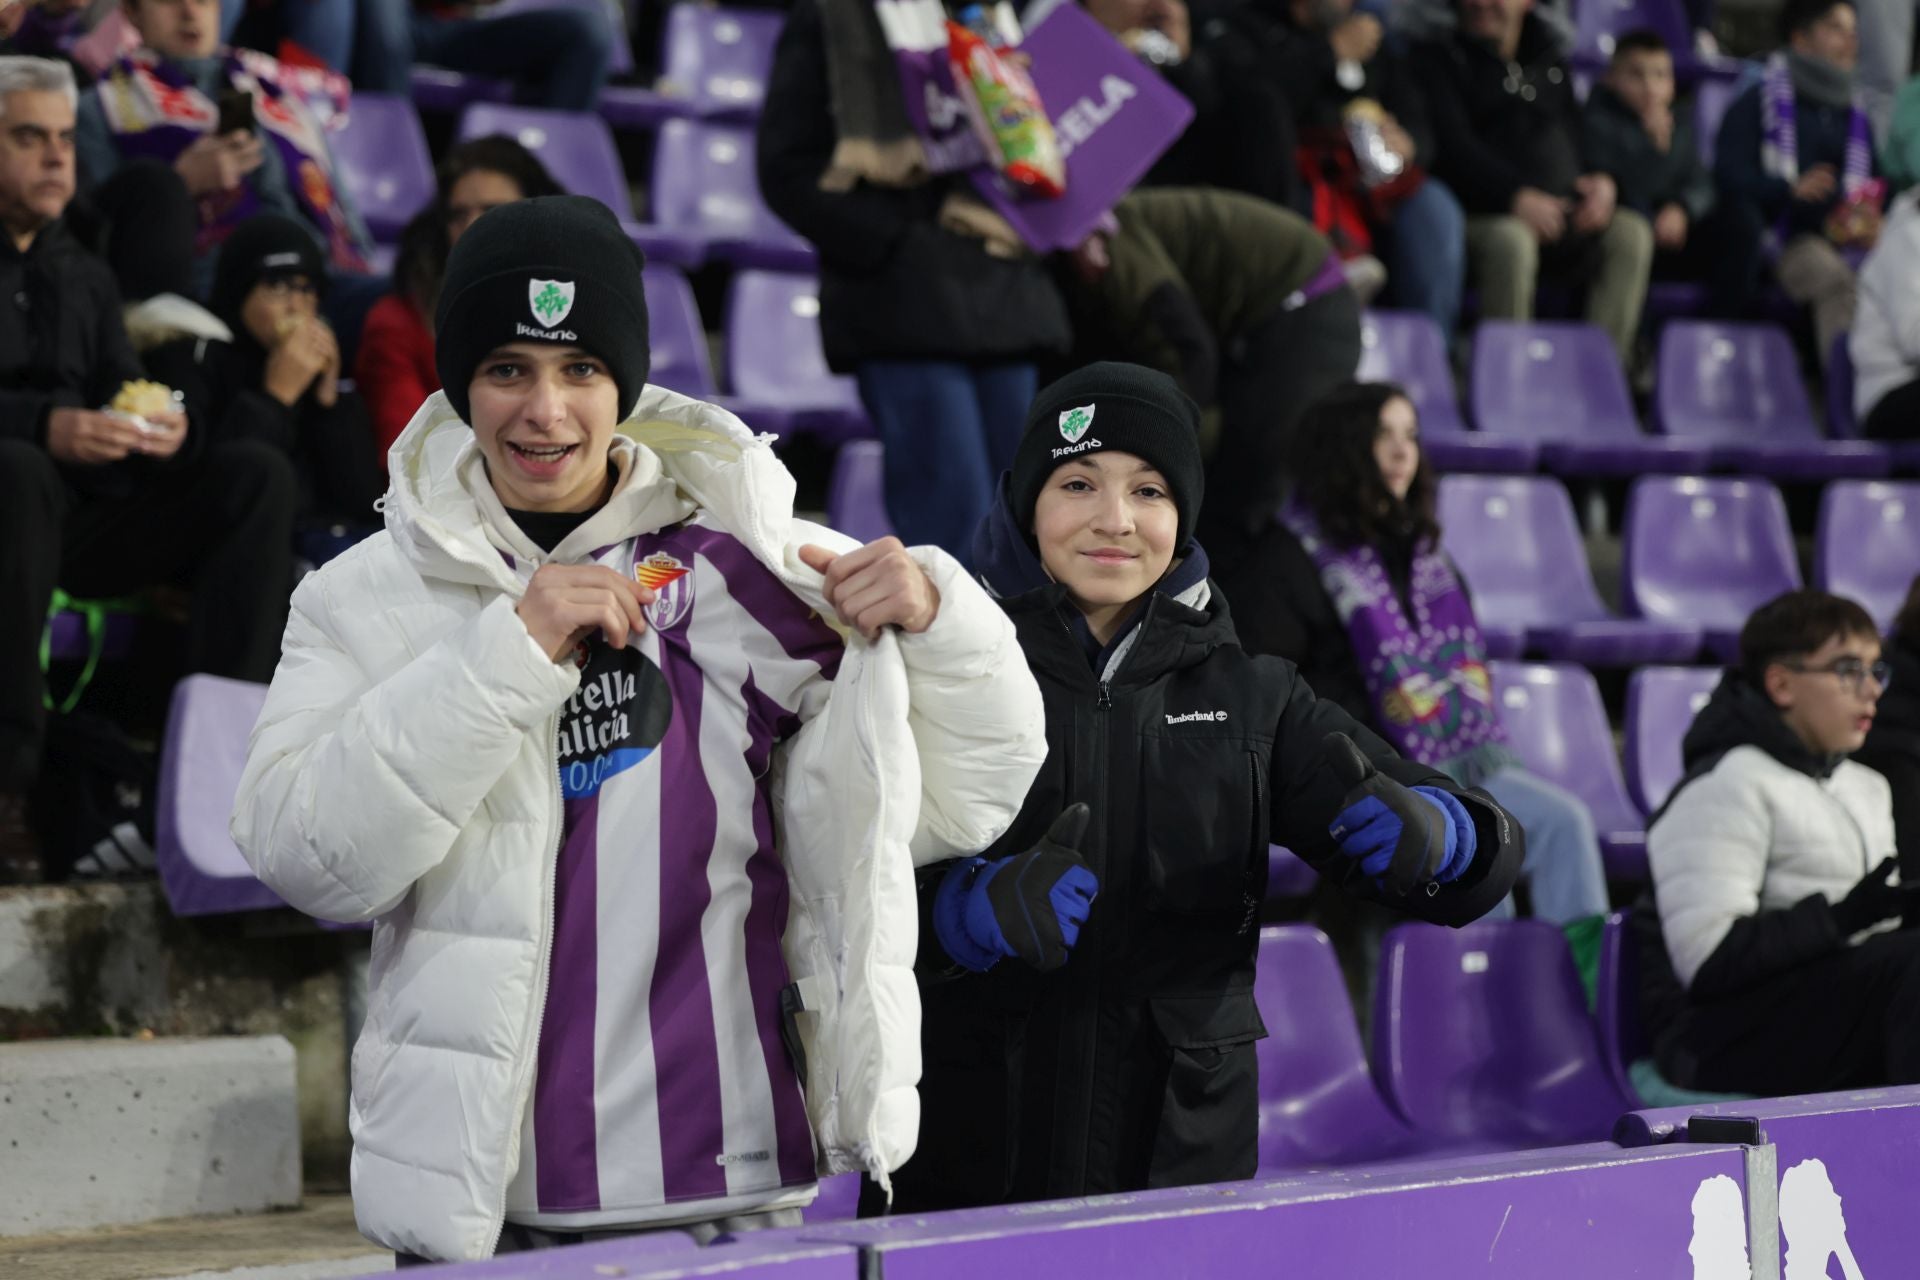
x=1773, y=875
x=634, y=816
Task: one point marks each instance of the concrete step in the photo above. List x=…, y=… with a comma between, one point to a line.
x=317, y=1241
x=98, y=1132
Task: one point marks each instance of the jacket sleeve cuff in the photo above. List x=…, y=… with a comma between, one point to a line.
x=969, y=634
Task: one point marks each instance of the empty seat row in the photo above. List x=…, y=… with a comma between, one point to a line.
x=1552, y=394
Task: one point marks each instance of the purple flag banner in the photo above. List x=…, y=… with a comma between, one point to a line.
x=1113, y=113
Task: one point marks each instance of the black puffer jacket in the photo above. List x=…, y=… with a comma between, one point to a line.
x=893, y=284
x=1133, y=1066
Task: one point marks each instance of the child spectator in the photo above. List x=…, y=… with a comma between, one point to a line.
x=1771, y=962
x=278, y=381
x=394, y=368
x=1633, y=135
x=1794, y=163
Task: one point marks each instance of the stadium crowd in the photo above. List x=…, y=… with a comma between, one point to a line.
x=1169, y=584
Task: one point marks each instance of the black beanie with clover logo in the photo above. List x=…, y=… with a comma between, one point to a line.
x=555, y=269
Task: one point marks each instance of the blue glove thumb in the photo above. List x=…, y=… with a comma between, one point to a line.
x=1461, y=840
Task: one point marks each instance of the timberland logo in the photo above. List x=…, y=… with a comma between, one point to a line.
x=1074, y=423
x=1199, y=717
x=551, y=300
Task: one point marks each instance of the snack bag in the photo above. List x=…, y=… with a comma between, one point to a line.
x=140, y=400
x=1856, y=218
x=1006, y=110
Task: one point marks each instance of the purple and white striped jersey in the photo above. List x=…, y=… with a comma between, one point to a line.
x=662, y=1091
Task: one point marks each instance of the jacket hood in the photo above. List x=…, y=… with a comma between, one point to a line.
x=1741, y=715
x=674, y=455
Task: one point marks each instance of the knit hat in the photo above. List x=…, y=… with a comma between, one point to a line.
x=552, y=269
x=267, y=247
x=1127, y=408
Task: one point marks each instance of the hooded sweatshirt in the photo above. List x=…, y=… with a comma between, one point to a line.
x=1757, y=842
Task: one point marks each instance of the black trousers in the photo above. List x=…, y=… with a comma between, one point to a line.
x=1268, y=375
x=1845, y=1021
x=1896, y=415
x=221, y=526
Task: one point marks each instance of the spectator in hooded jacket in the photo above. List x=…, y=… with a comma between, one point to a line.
x=1794, y=161
x=394, y=368
x=1502, y=100
x=1088, y=979
x=1350, y=584
x=1893, y=745
x=1884, y=342
x=1775, y=963
x=629, y=768
x=1634, y=136
x=278, y=381
x=99, y=503
x=927, y=296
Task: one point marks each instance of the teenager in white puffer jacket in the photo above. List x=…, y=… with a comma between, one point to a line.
x=636, y=827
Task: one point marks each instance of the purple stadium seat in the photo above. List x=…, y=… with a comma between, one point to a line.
x=1407, y=347
x=1318, y=1104
x=1661, y=705
x=1600, y=22
x=706, y=197
x=1706, y=553
x=1867, y=547
x=1559, y=384
x=208, y=725
x=445, y=92
x=1737, y=388
x=718, y=58
x=579, y=152
x=677, y=339
x=838, y=1201
x=1288, y=874
x=1483, y=1033
x=857, y=492
x=776, y=370
x=1711, y=98
x=1841, y=422
x=1515, y=539
x=1616, y=1005
x=1558, y=726
x=385, y=162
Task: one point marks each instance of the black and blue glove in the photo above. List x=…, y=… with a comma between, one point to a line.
x=1030, y=905
x=1404, y=837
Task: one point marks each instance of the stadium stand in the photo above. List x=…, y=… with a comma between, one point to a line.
x=1706, y=552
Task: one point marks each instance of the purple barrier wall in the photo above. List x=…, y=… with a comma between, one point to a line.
x=1848, y=1165
x=668, y=1256
x=1581, y=1214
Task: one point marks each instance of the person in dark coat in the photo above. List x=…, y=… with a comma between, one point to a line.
x=1072, y=1050
x=1501, y=94
x=278, y=381
x=1633, y=134
x=1893, y=744
x=941, y=327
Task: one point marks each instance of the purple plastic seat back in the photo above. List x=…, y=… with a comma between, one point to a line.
x=703, y=180
x=208, y=725
x=857, y=493
x=1661, y=705
x=1732, y=383
x=1515, y=540
x=1289, y=875
x=1841, y=422
x=1706, y=551
x=1548, y=380
x=676, y=337
x=1557, y=724
x=1407, y=348
x=385, y=163
x=1711, y=98
x=577, y=148
x=773, y=344
x=1601, y=22
x=1616, y=1003
x=1868, y=544
x=1483, y=1033
x=720, y=57
x=1318, y=1104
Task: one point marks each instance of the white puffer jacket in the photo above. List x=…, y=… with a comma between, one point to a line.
x=404, y=770
x=1754, y=834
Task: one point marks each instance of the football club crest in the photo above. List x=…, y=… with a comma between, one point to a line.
x=1074, y=423
x=672, y=586
x=551, y=300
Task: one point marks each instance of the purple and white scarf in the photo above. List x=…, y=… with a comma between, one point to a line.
x=1427, y=676
x=1779, y=137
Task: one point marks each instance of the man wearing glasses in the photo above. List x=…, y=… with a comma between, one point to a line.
x=1791, y=968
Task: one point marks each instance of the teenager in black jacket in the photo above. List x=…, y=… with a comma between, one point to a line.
x=1071, y=1051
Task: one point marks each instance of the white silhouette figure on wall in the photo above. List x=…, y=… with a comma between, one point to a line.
x=1811, y=1220
x=1719, y=1244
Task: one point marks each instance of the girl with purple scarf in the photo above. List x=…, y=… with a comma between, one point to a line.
x=1351, y=584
